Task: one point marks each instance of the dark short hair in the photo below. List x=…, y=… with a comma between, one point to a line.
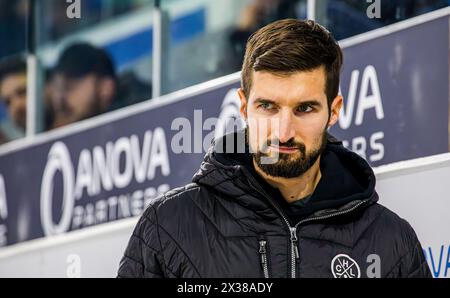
x=291, y=45
x=82, y=59
x=12, y=65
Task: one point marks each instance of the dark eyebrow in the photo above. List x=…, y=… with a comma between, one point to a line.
x=264, y=100
x=312, y=102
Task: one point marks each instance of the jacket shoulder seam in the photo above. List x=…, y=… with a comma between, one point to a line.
x=181, y=190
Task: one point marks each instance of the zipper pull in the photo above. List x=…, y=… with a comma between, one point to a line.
x=294, y=240
x=293, y=234
x=262, y=250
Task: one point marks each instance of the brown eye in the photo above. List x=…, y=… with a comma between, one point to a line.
x=266, y=106
x=304, y=109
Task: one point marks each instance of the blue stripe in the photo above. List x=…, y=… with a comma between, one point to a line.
x=131, y=48
x=140, y=44
x=188, y=26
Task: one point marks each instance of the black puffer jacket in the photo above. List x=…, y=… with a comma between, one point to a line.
x=224, y=225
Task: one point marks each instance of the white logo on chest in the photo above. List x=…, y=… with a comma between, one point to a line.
x=342, y=266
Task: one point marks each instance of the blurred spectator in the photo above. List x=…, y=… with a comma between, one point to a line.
x=84, y=84
x=13, y=90
x=13, y=96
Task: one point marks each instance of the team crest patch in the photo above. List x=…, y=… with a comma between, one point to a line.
x=342, y=266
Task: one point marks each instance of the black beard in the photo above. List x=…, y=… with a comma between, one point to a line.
x=286, y=166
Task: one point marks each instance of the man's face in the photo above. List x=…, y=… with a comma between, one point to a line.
x=13, y=90
x=287, y=117
x=77, y=99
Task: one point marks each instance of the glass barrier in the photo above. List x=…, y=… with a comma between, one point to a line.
x=207, y=38
x=346, y=18
x=56, y=21
x=96, y=63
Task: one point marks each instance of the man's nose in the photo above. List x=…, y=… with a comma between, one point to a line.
x=285, y=130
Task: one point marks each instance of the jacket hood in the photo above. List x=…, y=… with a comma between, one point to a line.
x=346, y=177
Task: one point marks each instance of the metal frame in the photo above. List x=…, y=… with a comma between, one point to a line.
x=35, y=110
x=161, y=38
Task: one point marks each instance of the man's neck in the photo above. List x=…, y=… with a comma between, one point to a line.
x=297, y=188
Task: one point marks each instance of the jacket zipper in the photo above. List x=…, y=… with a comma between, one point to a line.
x=295, y=256
x=263, y=252
x=293, y=230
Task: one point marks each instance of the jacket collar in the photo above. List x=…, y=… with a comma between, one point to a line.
x=347, y=179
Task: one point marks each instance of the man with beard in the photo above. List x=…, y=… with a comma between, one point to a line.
x=283, y=198
x=83, y=84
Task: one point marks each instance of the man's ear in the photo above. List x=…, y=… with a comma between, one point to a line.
x=243, y=108
x=107, y=92
x=336, y=106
